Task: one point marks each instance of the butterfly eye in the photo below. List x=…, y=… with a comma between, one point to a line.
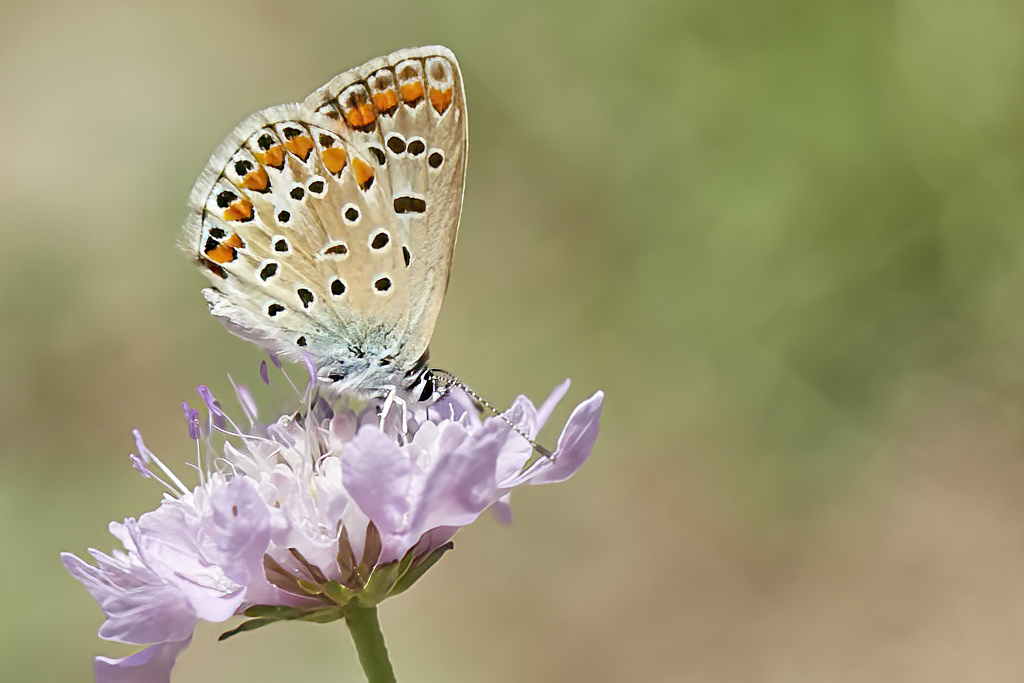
x=428, y=388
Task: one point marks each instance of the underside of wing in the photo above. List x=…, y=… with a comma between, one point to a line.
x=329, y=227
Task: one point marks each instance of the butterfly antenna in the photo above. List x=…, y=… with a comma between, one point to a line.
x=451, y=380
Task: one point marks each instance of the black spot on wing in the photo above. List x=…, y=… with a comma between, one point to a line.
x=410, y=205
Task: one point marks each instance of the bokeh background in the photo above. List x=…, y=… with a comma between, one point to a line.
x=784, y=237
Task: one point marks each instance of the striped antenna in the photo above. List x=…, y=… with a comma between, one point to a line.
x=449, y=380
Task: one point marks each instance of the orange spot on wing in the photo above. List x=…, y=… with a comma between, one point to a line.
x=411, y=92
x=441, y=99
x=272, y=157
x=362, y=172
x=222, y=253
x=361, y=115
x=334, y=159
x=300, y=146
x=386, y=101
x=235, y=242
x=256, y=180
x=239, y=211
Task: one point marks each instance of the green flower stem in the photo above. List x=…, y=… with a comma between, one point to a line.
x=373, y=654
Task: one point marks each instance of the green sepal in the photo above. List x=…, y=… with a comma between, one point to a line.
x=338, y=593
x=250, y=625
x=382, y=580
x=404, y=564
x=268, y=614
x=274, y=612
x=410, y=577
x=325, y=615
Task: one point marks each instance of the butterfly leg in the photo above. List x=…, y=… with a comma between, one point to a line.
x=392, y=400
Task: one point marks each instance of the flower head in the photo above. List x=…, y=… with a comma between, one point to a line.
x=309, y=516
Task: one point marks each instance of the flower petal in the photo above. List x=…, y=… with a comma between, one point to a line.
x=574, y=445
x=152, y=665
x=240, y=532
x=462, y=483
x=377, y=475
x=168, y=542
x=502, y=510
x=552, y=401
x=139, y=607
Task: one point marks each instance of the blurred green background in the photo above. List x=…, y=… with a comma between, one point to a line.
x=784, y=237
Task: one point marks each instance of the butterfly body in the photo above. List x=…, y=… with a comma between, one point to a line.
x=327, y=228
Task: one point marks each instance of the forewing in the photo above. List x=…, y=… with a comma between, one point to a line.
x=408, y=110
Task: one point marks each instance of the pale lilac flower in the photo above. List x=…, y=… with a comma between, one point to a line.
x=309, y=516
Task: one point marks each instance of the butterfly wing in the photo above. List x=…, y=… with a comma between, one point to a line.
x=329, y=227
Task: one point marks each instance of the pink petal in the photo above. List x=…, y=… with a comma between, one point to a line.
x=502, y=510
x=139, y=608
x=462, y=483
x=152, y=665
x=168, y=544
x=240, y=529
x=552, y=401
x=377, y=475
x=574, y=445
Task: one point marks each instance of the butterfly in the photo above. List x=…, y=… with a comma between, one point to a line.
x=327, y=227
